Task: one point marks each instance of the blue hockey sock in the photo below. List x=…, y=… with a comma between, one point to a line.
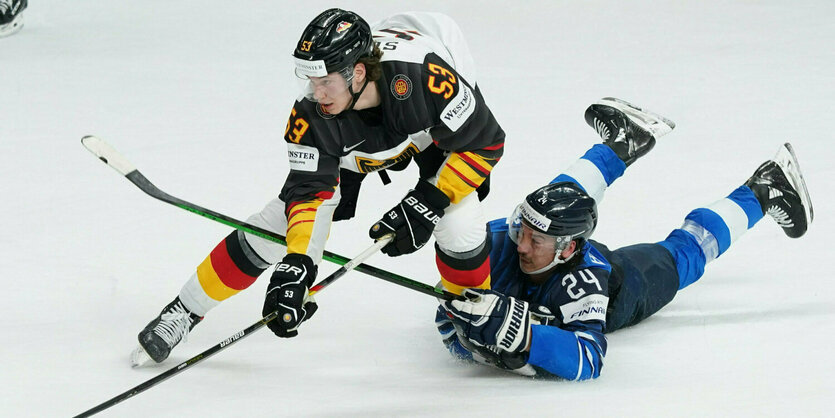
x=708, y=232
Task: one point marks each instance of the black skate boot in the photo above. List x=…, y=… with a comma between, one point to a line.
x=627, y=129
x=11, y=16
x=162, y=334
x=779, y=187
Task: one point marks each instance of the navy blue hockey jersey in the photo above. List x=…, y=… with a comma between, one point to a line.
x=573, y=346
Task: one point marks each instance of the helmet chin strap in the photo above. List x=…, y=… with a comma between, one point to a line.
x=355, y=96
x=557, y=261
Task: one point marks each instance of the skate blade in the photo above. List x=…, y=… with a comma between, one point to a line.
x=787, y=160
x=139, y=357
x=654, y=123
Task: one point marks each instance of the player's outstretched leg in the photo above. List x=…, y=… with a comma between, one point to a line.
x=162, y=334
x=629, y=130
x=232, y=266
x=781, y=190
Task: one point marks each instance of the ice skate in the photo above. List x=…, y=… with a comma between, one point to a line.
x=162, y=334
x=781, y=190
x=629, y=130
x=11, y=16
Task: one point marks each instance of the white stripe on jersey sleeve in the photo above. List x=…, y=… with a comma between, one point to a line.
x=580, y=360
x=590, y=358
x=591, y=339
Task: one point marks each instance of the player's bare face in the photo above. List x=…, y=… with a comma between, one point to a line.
x=536, y=250
x=331, y=92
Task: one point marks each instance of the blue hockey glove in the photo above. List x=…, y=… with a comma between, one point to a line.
x=412, y=220
x=492, y=320
x=287, y=294
x=450, y=338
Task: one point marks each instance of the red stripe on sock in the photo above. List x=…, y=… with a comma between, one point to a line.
x=464, y=278
x=227, y=271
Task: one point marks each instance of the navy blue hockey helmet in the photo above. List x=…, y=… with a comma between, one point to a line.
x=332, y=42
x=556, y=214
x=562, y=210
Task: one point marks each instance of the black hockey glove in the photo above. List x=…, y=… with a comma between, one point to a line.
x=412, y=220
x=500, y=323
x=287, y=294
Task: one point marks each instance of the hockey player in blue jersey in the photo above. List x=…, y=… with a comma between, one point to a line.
x=555, y=292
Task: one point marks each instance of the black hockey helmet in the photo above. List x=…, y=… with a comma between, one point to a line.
x=558, y=214
x=332, y=42
x=560, y=210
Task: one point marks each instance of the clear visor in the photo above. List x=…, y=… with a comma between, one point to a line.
x=519, y=230
x=331, y=85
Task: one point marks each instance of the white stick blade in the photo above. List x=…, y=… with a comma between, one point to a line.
x=108, y=154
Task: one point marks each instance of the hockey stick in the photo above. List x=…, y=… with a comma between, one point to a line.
x=350, y=265
x=111, y=157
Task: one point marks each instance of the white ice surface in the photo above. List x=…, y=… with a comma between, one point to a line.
x=196, y=94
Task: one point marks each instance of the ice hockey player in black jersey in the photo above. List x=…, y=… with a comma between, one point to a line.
x=11, y=16
x=375, y=98
x=555, y=291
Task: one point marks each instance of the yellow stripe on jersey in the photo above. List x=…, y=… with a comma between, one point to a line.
x=462, y=173
x=300, y=222
x=478, y=162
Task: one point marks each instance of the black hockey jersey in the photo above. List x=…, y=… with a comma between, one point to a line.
x=430, y=111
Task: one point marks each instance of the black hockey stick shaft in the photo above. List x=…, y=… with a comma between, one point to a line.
x=350, y=265
x=114, y=159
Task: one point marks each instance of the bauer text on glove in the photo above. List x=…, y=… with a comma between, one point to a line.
x=412, y=220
